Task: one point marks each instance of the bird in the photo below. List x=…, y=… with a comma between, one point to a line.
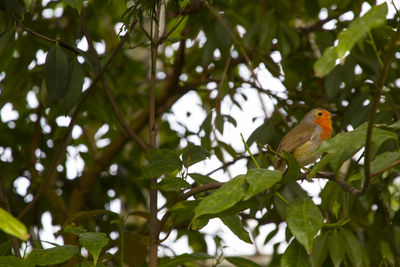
x=304, y=139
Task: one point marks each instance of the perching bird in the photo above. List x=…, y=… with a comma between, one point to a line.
x=304, y=139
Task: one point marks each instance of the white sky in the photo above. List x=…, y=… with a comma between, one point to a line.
x=190, y=102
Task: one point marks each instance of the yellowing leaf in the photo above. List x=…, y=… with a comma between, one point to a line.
x=12, y=225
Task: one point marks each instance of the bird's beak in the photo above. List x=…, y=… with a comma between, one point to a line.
x=333, y=115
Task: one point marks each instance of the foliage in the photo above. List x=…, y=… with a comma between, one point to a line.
x=112, y=110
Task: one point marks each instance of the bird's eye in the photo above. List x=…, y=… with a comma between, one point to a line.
x=319, y=113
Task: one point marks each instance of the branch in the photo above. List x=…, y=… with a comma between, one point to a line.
x=374, y=107
x=342, y=183
x=110, y=97
x=386, y=168
x=154, y=236
x=61, y=148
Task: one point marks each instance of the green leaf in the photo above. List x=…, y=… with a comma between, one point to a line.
x=185, y=206
x=84, y=214
x=263, y=134
x=353, y=248
x=295, y=256
x=93, y=242
x=193, y=154
x=223, y=198
x=184, y=258
x=354, y=140
x=293, y=171
x=198, y=224
x=56, y=255
x=228, y=149
x=208, y=50
x=74, y=230
x=6, y=40
x=172, y=184
x=326, y=63
x=89, y=264
x=283, y=43
x=12, y=226
x=242, y=262
x=383, y=160
x=337, y=250
x=375, y=17
x=319, y=165
x=304, y=220
x=387, y=252
x=219, y=123
x=12, y=261
x=271, y=235
x=161, y=161
x=223, y=36
x=235, y=225
x=74, y=90
x=76, y=4
x=336, y=208
x=320, y=250
x=260, y=180
x=5, y=247
x=56, y=74
x=201, y=179
x=395, y=125
x=28, y=4
x=348, y=38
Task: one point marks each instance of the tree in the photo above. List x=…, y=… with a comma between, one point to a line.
x=331, y=54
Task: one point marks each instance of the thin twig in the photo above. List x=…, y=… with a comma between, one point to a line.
x=374, y=107
x=166, y=35
x=145, y=32
x=386, y=168
x=227, y=164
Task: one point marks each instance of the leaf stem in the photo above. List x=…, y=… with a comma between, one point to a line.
x=376, y=50
x=337, y=224
x=282, y=198
x=248, y=150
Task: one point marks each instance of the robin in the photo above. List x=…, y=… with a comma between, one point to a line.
x=305, y=138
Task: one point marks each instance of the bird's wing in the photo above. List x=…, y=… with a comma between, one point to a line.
x=302, y=132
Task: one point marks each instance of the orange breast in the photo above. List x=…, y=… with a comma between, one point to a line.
x=326, y=126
